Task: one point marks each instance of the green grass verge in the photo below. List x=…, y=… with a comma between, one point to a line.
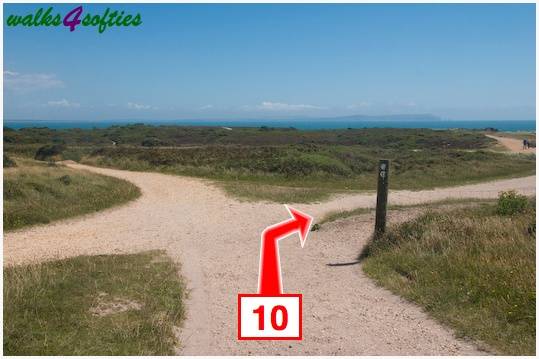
x=93, y=305
x=470, y=268
x=333, y=216
x=249, y=191
x=36, y=193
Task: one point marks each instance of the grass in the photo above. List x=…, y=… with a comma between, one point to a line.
x=248, y=191
x=9, y=162
x=470, y=268
x=334, y=216
x=324, y=170
x=37, y=193
x=285, y=165
x=66, y=307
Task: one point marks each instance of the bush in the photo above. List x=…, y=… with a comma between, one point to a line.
x=8, y=162
x=152, y=142
x=66, y=179
x=49, y=152
x=510, y=203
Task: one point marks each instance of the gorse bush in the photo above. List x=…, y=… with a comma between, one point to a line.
x=510, y=203
x=49, y=152
x=8, y=162
x=152, y=142
x=65, y=179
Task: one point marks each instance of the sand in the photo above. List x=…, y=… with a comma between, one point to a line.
x=215, y=241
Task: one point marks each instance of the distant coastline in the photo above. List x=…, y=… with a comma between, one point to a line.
x=397, y=121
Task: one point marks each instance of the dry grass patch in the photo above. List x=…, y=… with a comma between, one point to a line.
x=108, y=306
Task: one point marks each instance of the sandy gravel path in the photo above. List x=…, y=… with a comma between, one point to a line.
x=216, y=240
x=512, y=144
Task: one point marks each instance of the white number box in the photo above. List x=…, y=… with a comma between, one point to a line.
x=263, y=317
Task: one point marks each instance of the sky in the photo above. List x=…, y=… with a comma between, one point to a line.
x=241, y=61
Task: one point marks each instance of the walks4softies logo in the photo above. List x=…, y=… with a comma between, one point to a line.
x=77, y=16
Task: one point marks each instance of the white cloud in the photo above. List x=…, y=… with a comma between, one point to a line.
x=63, y=103
x=279, y=106
x=138, y=107
x=206, y=107
x=28, y=82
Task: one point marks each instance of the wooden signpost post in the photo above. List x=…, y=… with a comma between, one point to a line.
x=381, y=197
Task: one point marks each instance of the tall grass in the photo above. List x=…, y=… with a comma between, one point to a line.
x=473, y=269
x=36, y=193
x=285, y=164
x=93, y=305
x=319, y=166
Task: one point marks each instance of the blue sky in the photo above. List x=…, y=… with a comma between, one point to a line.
x=275, y=61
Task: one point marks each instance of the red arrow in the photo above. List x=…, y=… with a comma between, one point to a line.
x=269, y=278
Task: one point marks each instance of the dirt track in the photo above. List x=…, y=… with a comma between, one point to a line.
x=512, y=144
x=216, y=240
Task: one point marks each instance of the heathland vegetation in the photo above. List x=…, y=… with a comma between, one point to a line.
x=471, y=268
x=93, y=305
x=40, y=192
x=282, y=164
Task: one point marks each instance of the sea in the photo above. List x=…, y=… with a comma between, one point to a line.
x=303, y=124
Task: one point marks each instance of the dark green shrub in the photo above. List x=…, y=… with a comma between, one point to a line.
x=510, y=203
x=152, y=142
x=49, y=152
x=12, y=190
x=8, y=162
x=66, y=179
